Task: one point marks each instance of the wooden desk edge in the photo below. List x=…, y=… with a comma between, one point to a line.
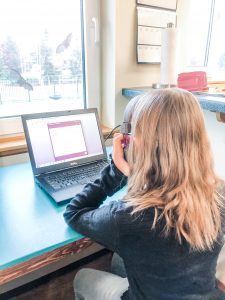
x=46, y=263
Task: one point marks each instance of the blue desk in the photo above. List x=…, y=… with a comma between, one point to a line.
x=34, y=239
x=211, y=102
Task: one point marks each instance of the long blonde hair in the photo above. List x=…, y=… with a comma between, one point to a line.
x=171, y=167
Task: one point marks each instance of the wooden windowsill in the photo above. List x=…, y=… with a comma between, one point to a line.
x=16, y=144
x=11, y=145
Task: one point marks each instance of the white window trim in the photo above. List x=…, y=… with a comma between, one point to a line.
x=91, y=8
x=92, y=52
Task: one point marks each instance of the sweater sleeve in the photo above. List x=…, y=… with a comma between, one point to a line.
x=98, y=224
x=84, y=214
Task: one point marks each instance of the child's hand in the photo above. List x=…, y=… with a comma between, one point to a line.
x=118, y=155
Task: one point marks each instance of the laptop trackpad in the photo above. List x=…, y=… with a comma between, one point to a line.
x=68, y=193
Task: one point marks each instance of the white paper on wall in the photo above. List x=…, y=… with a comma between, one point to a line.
x=169, y=4
x=149, y=35
x=155, y=17
x=148, y=53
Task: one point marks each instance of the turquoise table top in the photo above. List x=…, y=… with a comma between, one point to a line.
x=212, y=102
x=31, y=223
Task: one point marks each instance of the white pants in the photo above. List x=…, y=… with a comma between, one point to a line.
x=90, y=284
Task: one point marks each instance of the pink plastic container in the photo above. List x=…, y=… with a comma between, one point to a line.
x=192, y=81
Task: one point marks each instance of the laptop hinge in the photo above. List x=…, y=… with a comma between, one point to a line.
x=71, y=167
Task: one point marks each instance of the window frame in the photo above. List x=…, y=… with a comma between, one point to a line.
x=183, y=7
x=211, y=18
x=10, y=126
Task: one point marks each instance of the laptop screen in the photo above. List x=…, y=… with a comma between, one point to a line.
x=63, y=139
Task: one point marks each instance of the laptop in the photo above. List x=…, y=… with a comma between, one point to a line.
x=66, y=150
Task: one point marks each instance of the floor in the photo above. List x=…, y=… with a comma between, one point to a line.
x=59, y=285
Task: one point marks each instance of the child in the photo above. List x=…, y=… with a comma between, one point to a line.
x=169, y=227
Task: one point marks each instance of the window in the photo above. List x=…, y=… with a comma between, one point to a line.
x=44, y=55
x=197, y=31
x=205, y=31
x=216, y=60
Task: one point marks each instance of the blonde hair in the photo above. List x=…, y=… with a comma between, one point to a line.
x=171, y=168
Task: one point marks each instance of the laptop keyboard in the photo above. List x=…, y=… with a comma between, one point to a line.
x=81, y=175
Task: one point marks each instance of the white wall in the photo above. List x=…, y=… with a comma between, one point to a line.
x=216, y=130
x=128, y=72
x=119, y=66
x=108, y=61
